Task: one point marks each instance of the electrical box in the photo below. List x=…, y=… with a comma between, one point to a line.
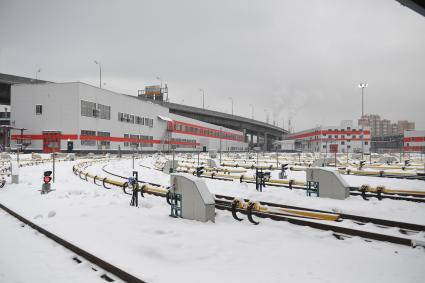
x=170, y=166
x=329, y=183
x=212, y=153
x=324, y=161
x=212, y=163
x=191, y=199
x=14, y=168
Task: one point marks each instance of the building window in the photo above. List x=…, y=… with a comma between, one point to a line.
x=104, y=142
x=88, y=142
x=366, y=143
x=38, y=109
x=88, y=109
x=126, y=137
x=348, y=146
x=149, y=122
x=342, y=142
x=104, y=111
x=140, y=120
x=324, y=146
x=134, y=144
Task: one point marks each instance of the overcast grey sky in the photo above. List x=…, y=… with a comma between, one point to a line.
x=295, y=59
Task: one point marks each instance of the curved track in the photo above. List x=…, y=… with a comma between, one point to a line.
x=296, y=215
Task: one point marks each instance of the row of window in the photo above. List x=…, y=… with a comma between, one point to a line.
x=138, y=137
x=192, y=141
x=342, y=136
x=207, y=132
x=343, y=143
x=93, y=133
x=134, y=119
x=91, y=109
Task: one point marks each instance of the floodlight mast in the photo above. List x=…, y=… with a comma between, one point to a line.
x=363, y=86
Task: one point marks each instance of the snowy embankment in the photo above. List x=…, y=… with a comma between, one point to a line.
x=148, y=243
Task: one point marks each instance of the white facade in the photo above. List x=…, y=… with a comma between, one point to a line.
x=92, y=118
x=348, y=137
x=414, y=141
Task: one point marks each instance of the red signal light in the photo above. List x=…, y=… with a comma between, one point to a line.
x=47, y=179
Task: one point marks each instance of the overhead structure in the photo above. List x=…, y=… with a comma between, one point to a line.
x=416, y=5
x=265, y=134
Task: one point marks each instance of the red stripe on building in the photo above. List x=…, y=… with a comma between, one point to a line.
x=130, y=140
x=45, y=136
x=414, y=148
x=413, y=139
x=203, y=135
x=241, y=138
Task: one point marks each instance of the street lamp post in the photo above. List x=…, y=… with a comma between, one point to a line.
x=36, y=75
x=100, y=72
x=159, y=78
x=203, y=98
x=252, y=111
x=362, y=86
x=232, y=104
x=267, y=115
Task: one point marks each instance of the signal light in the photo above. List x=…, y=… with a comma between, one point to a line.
x=47, y=177
x=199, y=171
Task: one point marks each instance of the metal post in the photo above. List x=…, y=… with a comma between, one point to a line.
x=198, y=157
x=277, y=159
x=53, y=171
x=133, y=160
x=335, y=158
x=173, y=159
x=203, y=98
x=220, y=145
x=252, y=111
x=100, y=72
x=347, y=156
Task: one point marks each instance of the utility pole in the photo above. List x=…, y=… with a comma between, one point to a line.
x=203, y=98
x=232, y=104
x=252, y=111
x=100, y=73
x=36, y=75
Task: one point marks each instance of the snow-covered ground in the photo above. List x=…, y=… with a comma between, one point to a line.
x=149, y=244
x=28, y=256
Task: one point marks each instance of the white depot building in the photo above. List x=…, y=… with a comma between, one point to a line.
x=57, y=116
x=347, y=137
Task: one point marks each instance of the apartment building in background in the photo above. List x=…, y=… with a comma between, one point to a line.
x=384, y=127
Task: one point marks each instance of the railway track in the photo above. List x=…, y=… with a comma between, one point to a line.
x=399, y=232
x=80, y=253
x=365, y=191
